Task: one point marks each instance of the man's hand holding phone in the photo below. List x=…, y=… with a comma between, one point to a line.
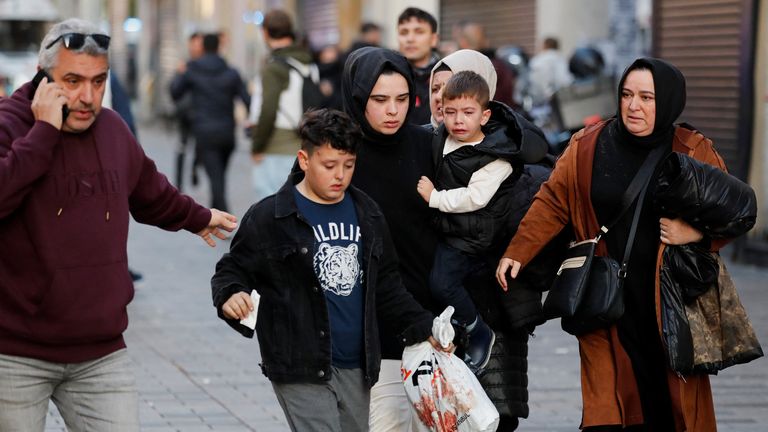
x=48, y=103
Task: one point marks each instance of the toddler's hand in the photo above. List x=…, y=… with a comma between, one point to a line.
x=425, y=188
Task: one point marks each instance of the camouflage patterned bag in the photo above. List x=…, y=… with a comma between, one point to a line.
x=721, y=331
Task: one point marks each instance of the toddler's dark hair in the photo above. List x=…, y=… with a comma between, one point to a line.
x=467, y=84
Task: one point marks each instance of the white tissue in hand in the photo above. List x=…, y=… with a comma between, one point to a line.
x=442, y=330
x=250, y=320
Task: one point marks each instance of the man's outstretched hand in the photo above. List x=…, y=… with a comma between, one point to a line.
x=219, y=221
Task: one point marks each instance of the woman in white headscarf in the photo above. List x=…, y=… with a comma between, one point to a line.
x=511, y=315
x=461, y=60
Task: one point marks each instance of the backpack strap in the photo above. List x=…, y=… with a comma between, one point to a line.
x=305, y=70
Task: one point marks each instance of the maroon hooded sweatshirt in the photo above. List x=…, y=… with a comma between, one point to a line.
x=65, y=200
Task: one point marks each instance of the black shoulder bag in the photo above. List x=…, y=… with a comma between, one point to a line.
x=588, y=290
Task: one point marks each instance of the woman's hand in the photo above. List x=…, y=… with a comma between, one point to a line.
x=678, y=232
x=507, y=264
x=436, y=345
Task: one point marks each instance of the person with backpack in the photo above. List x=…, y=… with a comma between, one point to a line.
x=287, y=87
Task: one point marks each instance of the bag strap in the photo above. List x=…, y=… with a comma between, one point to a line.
x=639, y=182
x=632, y=231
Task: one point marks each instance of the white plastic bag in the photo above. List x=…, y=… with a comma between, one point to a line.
x=444, y=393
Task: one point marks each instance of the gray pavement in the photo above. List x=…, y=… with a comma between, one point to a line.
x=194, y=373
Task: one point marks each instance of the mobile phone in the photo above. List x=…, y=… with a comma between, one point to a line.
x=36, y=82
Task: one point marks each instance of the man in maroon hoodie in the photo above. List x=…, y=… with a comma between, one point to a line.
x=68, y=185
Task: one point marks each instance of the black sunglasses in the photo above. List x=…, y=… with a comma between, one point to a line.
x=77, y=40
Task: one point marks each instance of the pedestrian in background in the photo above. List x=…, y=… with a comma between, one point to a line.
x=370, y=35
x=68, y=186
x=625, y=379
x=277, y=105
x=471, y=35
x=184, y=115
x=548, y=72
x=320, y=256
x=214, y=85
x=417, y=39
x=116, y=98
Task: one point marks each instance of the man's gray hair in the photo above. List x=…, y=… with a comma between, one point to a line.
x=48, y=57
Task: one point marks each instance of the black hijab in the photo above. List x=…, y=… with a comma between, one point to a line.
x=669, y=87
x=361, y=71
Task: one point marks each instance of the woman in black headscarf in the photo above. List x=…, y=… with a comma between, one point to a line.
x=377, y=92
x=626, y=382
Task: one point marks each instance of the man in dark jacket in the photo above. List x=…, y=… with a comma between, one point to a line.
x=68, y=186
x=417, y=38
x=321, y=258
x=214, y=86
x=378, y=94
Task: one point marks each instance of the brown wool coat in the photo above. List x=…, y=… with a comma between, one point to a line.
x=609, y=389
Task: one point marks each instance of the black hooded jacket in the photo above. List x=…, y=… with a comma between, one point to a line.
x=388, y=168
x=508, y=136
x=421, y=111
x=214, y=86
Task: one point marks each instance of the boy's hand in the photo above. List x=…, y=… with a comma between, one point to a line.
x=238, y=306
x=425, y=188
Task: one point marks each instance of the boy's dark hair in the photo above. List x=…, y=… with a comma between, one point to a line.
x=278, y=24
x=329, y=126
x=211, y=43
x=467, y=84
x=420, y=15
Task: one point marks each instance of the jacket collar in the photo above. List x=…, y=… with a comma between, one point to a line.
x=285, y=202
x=687, y=136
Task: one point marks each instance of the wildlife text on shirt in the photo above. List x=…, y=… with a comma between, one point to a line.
x=337, y=262
x=334, y=231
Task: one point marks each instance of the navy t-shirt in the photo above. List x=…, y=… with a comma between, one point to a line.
x=338, y=265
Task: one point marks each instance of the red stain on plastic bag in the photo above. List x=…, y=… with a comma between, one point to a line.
x=431, y=413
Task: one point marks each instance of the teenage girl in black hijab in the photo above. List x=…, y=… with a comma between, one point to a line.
x=389, y=164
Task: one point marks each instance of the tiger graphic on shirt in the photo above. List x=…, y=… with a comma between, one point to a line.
x=337, y=268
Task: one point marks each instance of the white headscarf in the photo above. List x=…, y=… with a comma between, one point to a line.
x=468, y=60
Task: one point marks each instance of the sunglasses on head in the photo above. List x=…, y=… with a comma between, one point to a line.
x=77, y=40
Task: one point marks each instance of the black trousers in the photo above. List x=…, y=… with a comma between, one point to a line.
x=451, y=266
x=214, y=157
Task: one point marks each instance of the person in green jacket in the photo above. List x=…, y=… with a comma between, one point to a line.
x=276, y=105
